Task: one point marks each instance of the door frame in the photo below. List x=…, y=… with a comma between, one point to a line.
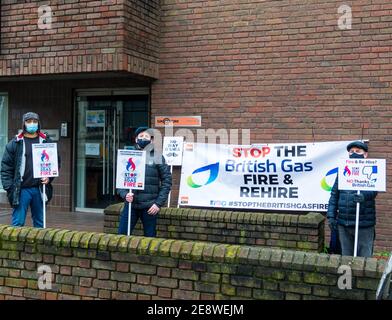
x=107, y=92
x=5, y=116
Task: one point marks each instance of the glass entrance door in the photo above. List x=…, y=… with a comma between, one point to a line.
x=104, y=125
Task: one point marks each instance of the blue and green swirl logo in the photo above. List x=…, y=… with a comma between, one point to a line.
x=324, y=183
x=213, y=168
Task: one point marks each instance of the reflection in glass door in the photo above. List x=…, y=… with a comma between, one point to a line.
x=104, y=125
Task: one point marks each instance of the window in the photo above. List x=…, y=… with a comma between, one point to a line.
x=3, y=125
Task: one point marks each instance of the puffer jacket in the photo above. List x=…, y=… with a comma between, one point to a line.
x=12, y=169
x=342, y=207
x=157, y=185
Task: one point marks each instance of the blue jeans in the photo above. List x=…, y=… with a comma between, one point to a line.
x=149, y=221
x=365, y=241
x=29, y=197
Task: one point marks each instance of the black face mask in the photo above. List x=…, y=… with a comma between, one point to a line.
x=357, y=156
x=142, y=143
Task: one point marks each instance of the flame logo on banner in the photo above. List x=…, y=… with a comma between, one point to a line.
x=213, y=168
x=347, y=171
x=44, y=156
x=130, y=164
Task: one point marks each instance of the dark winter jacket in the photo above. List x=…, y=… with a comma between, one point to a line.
x=13, y=166
x=157, y=185
x=342, y=207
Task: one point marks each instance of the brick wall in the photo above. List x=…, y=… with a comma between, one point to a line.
x=142, y=23
x=281, y=68
x=102, y=266
x=297, y=232
x=86, y=36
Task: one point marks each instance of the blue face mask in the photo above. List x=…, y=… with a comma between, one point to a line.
x=142, y=143
x=31, y=127
x=357, y=156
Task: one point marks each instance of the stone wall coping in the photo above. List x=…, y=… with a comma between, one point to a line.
x=192, y=250
x=310, y=219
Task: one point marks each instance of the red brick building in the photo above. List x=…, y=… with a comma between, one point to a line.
x=283, y=69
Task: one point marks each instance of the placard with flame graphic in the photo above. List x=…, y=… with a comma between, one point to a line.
x=45, y=160
x=131, y=166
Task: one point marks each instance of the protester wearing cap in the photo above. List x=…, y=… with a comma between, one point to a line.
x=158, y=181
x=357, y=147
x=23, y=190
x=342, y=211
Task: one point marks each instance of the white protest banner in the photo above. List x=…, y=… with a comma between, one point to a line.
x=287, y=176
x=45, y=160
x=45, y=165
x=362, y=174
x=172, y=150
x=131, y=166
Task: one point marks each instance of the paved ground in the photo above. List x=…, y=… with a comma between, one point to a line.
x=80, y=221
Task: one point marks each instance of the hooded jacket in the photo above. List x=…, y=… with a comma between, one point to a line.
x=13, y=167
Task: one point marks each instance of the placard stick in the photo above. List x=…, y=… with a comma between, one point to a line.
x=168, y=201
x=356, y=228
x=44, y=203
x=129, y=215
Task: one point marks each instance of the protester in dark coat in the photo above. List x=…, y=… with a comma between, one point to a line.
x=23, y=190
x=158, y=181
x=342, y=211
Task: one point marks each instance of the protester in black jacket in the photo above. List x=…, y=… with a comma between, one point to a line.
x=158, y=181
x=342, y=212
x=23, y=190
